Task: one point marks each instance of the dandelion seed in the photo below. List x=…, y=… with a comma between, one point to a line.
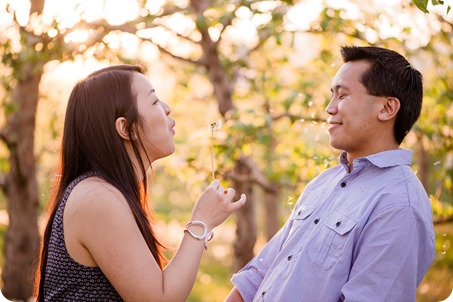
x=290, y=200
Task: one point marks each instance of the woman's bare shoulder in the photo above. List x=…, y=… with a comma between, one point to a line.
x=98, y=220
x=95, y=196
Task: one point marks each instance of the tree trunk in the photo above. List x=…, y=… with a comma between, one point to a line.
x=271, y=225
x=211, y=60
x=21, y=189
x=421, y=156
x=246, y=218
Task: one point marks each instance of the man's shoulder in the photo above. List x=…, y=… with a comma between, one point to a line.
x=391, y=158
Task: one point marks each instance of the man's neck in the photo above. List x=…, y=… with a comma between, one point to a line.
x=352, y=156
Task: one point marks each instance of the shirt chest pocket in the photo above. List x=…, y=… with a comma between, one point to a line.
x=299, y=218
x=326, y=246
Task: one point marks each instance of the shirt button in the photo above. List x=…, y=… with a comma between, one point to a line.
x=338, y=223
x=316, y=221
x=289, y=257
x=343, y=184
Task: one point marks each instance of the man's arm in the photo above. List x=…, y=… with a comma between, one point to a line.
x=234, y=296
x=247, y=281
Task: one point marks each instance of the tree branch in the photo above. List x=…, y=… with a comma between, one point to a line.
x=443, y=219
x=256, y=175
x=162, y=49
x=294, y=117
x=4, y=137
x=178, y=34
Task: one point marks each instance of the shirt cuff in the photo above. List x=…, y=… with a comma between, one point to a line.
x=247, y=284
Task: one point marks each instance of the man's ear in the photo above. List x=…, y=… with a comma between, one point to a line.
x=122, y=128
x=391, y=106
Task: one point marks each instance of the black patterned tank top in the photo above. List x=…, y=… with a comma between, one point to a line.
x=67, y=280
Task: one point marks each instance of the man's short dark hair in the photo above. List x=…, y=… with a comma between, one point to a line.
x=391, y=75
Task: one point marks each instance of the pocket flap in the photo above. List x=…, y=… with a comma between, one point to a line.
x=303, y=212
x=340, y=223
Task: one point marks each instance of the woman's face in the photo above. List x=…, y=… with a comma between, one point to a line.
x=156, y=131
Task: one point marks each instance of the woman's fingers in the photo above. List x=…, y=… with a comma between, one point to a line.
x=239, y=203
x=214, y=184
x=229, y=193
x=216, y=204
x=231, y=204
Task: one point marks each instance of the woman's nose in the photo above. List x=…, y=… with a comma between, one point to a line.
x=167, y=108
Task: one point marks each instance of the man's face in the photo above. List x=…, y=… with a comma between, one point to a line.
x=355, y=127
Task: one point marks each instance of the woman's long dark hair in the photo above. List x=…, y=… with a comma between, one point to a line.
x=90, y=143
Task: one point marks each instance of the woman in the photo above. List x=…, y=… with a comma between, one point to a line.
x=103, y=248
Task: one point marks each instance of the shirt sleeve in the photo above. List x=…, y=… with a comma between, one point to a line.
x=393, y=253
x=249, y=278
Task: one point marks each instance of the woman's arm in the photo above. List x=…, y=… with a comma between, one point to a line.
x=99, y=219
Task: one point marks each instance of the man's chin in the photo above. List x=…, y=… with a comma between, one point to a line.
x=335, y=144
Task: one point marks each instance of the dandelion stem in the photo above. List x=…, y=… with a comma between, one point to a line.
x=213, y=125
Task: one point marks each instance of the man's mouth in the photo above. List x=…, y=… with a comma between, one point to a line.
x=334, y=124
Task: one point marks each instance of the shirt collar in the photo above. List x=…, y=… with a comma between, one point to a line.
x=383, y=159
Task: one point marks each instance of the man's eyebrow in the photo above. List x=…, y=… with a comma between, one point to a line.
x=338, y=87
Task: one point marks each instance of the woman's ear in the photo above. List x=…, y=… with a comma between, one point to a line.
x=122, y=128
x=390, y=109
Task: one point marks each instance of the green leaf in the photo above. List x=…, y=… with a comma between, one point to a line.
x=421, y=4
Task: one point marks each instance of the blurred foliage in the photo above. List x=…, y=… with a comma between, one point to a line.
x=281, y=74
x=281, y=92
x=423, y=4
x=437, y=284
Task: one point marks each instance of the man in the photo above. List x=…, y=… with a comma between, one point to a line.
x=362, y=230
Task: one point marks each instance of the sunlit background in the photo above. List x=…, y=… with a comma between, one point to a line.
x=290, y=73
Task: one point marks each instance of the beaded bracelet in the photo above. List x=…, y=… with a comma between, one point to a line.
x=206, y=236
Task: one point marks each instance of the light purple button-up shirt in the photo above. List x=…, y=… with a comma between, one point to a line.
x=366, y=235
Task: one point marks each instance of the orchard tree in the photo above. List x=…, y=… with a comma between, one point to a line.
x=269, y=94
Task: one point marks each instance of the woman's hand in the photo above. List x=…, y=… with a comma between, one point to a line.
x=215, y=205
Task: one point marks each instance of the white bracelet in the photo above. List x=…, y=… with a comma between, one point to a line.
x=206, y=236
